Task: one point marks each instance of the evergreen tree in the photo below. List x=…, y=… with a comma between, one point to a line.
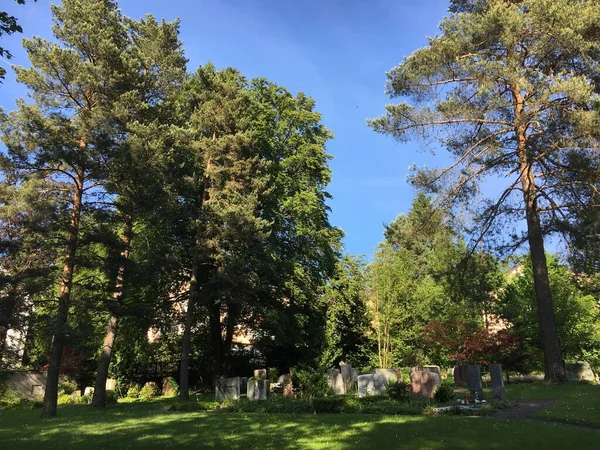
x=513, y=84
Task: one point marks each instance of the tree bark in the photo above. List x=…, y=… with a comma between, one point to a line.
x=64, y=298
x=184, y=377
x=553, y=361
x=232, y=315
x=99, y=398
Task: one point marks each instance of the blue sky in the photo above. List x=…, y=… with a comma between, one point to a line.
x=334, y=51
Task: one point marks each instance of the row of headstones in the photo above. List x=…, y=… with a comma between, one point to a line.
x=111, y=385
x=470, y=375
x=255, y=388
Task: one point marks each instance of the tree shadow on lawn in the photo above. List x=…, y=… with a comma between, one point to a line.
x=137, y=428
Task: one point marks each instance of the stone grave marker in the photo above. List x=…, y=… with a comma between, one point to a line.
x=497, y=381
x=579, y=371
x=111, y=384
x=346, y=371
x=243, y=385
x=336, y=381
x=390, y=375
x=88, y=390
x=260, y=373
x=461, y=375
x=168, y=389
x=424, y=383
x=227, y=388
x=371, y=384
x=75, y=395
x=258, y=389
x=474, y=380
x=355, y=375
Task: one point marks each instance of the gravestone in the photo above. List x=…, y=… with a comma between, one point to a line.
x=243, y=385
x=390, y=375
x=424, y=383
x=346, y=371
x=461, y=375
x=111, y=384
x=258, y=389
x=497, y=381
x=260, y=373
x=579, y=371
x=37, y=391
x=474, y=380
x=371, y=384
x=88, y=390
x=355, y=374
x=168, y=389
x=75, y=395
x=227, y=388
x=336, y=381
x=433, y=369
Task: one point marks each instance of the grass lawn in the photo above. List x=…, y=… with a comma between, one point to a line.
x=148, y=425
x=573, y=402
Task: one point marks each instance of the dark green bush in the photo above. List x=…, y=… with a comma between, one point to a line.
x=149, y=391
x=204, y=405
x=444, y=394
x=111, y=397
x=310, y=383
x=8, y=398
x=66, y=399
x=330, y=405
x=399, y=391
x=392, y=407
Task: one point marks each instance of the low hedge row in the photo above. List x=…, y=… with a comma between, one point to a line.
x=344, y=404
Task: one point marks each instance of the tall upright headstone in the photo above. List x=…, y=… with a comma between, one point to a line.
x=227, y=388
x=336, y=381
x=461, y=375
x=390, y=374
x=258, y=389
x=497, y=381
x=424, y=383
x=474, y=380
x=260, y=373
x=346, y=371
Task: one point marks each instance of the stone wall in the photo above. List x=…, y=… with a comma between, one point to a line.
x=28, y=384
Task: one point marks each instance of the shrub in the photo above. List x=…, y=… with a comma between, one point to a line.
x=9, y=398
x=87, y=398
x=338, y=405
x=111, y=397
x=273, y=374
x=205, y=405
x=134, y=391
x=273, y=405
x=399, y=391
x=66, y=399
x=66, y=388
x=149, y=391
x=392, y=407
x=310, y=383
x=444, y=394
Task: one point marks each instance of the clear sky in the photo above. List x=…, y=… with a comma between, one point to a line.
x=334, y=51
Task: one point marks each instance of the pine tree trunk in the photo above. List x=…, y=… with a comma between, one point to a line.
x=64, y=299
x=215, y=337
x=99, y=398
x=184, y=365
x=232, y=315
x=553, y=361
x=184, y=380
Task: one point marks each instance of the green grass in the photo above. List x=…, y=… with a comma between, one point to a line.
x=575, y=403
x=149, y=425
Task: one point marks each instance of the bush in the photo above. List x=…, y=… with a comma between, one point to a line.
x=134, y=391
x=392, y=407
x=9, y=398
x=205, y=405
x=111, y=397
x=399, y=391
x=338, y=405
x=87, y=398
x=66, y=399
x=444, y=394
x=149, y=391
x=66, y=388
x=273, y=405
x=273, y=374
x=310, y=383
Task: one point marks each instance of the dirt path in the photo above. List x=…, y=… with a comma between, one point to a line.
x=524, y=410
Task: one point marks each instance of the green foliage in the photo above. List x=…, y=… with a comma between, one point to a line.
x=273, y=374
x=273, y=405
x=111, y=397
x=149, y=391
x=66, y=399
x=134, y=391
x=444, y=393
x=399, y=391
x=86, y=398
x=8, y=397
x=310, y=383
x=577, y=316
x=66, y=387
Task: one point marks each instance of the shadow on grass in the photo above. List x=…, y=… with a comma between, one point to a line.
x=144, y=426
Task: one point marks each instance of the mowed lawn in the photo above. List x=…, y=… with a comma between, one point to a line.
x=575, y=403
x=151, y=425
